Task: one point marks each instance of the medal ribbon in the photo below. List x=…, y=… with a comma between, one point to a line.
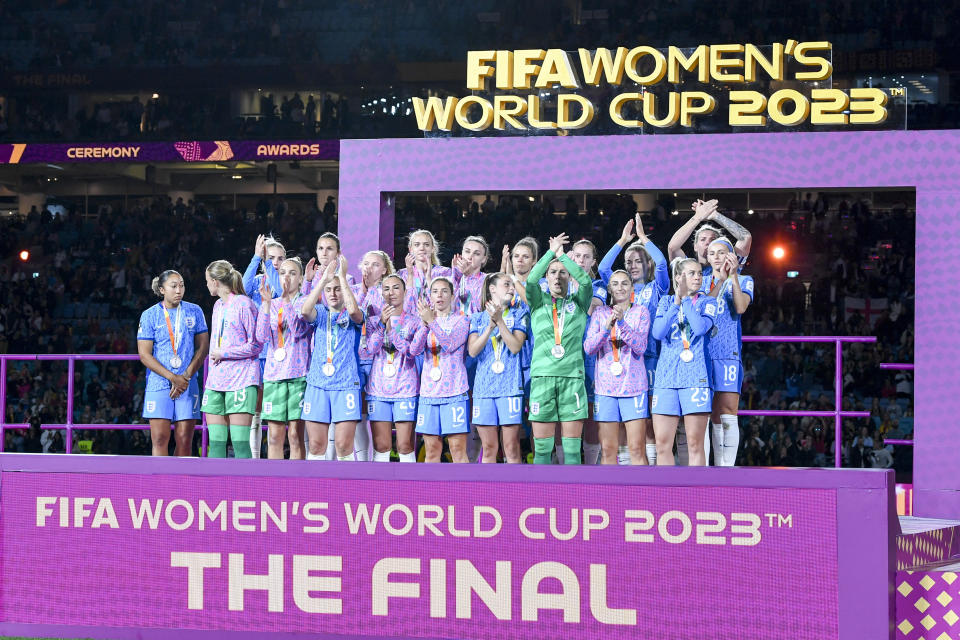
x=331, y=343
x=280, y=328
x=497, y=341
x=173, y=334
x=434, y=350
x=683, y=329
x=558, y=324
x=613, y=343
x=392, y=350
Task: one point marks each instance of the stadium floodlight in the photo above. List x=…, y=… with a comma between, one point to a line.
x=24, y=255
x=778, y=253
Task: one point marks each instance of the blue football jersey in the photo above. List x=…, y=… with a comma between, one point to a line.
x=186, y=321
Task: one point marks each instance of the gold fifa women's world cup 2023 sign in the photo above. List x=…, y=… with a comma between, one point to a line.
x=637, y=71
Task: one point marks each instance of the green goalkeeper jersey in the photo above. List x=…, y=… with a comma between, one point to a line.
x=571, y=311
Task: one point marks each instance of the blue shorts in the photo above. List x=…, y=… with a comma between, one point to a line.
x=399, y=410
x=610, y=409
x=158, y=404
x=497, y=412
x=443, y=419
x=727, y=375
x=680, y=402
x=364, y=371
x=650, y=362
x=327, y=407
x=589, y=374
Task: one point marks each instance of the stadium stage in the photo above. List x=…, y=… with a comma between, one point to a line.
x=354, y=550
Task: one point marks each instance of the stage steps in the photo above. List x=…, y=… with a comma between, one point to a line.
x=928, y=579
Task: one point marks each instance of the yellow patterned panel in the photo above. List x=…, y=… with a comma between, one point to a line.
x=928, y=623
x=926, y=582
x=905, y=627
x=949, y=577
x=921, y=604
x=951, y=618
x=905, y=589
x=944, y=598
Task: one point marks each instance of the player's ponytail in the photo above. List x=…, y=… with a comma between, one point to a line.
x=492, y=279
x=676, y=268
x=224, y=273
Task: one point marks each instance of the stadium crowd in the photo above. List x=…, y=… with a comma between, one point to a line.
x=93, y=277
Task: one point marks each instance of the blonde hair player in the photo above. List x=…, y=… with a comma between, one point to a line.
x=333, y=380
x=682, y=384
x=374, y=266
x=422, y=264
x=172, y=341
x=267, y=256
x=230, y=396
x=734, y=293
x=286, y=337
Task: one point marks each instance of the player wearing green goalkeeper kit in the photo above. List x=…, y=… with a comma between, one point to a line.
x=558, y=323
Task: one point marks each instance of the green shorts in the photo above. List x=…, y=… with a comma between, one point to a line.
x=555, y=399
x=283, y=399
x=221, y=403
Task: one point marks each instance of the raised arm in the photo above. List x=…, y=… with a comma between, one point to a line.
x=349, y=300
x=263, y=323
x=375, y=339
x=477, y=340
x=738, y=231
x=702, y=211
x=308, y=308
x=418, y=343
x=605, y=269
x=584, y=294
x=534, y=292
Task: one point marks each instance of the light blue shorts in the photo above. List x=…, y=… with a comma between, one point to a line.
x=327, y=407
x=158, y=404
x=651, y=364
x=610, y=409
x=497, y=412
x=385, y=410
x=443, y=419
x=727, y=375
x=680, y=402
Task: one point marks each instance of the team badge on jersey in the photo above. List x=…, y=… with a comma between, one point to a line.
x=645, y=295
x=191, y=321
x=600, y=293
x=151, y=406
x=710, y=309
x=509, y=322
x=570, y=307
x=535, y=408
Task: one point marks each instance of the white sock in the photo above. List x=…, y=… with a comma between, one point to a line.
x=682, y=459
x=346, y=458
x=652, y=454
x=331, y=453
x=558, y=453
x=256, y=436
x=591, y=453
x=407, y=457
x=381, y=457
x=717, y=444
x=314, y=456
x=623, y=455
x=731, y=439
x=706, y=446
x=361, y=440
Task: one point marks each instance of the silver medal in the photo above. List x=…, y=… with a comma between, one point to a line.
x=389, y=370
x=175, y=361
x=279, y=354
x=616, y=369
x=686, y=355
x=557, y=351
x=329, y=369
x=497, y=366
x=436, y=374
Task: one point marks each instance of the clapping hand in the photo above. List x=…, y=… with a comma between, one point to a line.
x=426, y=312
x=557, y=243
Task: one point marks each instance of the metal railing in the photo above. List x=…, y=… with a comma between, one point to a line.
x=838, y=413
x=70, y=426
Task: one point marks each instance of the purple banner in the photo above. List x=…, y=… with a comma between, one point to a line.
x=186, y=151
x=418, y=558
